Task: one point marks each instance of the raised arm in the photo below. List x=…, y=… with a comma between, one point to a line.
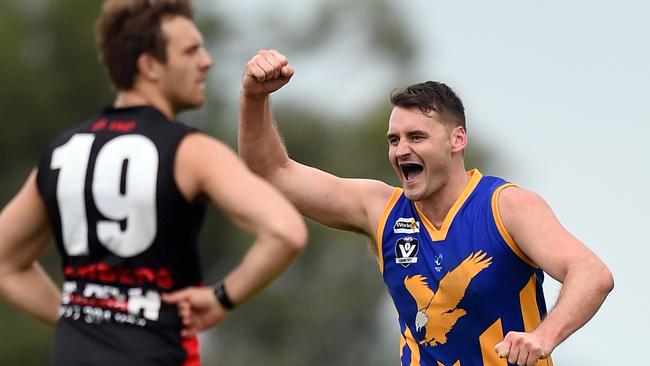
x=24, y=234
x=349, y=204
x=205, y=166
x=586, y=281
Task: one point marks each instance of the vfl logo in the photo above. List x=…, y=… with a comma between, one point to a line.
x=406, y=226
x=406, y=251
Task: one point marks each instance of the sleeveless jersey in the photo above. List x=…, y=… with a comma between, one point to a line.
x=125, y=234
x=458, y=289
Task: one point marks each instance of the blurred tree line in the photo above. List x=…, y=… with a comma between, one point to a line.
x=329, y=308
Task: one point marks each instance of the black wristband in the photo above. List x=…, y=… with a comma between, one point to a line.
x=222, y=296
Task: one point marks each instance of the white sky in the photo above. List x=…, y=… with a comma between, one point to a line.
x=558, y=91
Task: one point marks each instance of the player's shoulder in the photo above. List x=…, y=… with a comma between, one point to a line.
x=516, y=196
x=65, y=134
x=377, y=196
x=517, y=204
x=201, y=150
x=199, y=142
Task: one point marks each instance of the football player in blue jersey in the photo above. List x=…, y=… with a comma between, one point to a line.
x=463, y=255
x=123, y=196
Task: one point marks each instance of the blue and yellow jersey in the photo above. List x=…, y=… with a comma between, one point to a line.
x=460, y=288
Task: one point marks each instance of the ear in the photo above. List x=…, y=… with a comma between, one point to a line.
x=458, y=139
x=148, y=67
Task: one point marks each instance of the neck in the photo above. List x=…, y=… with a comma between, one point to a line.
x=437, y=206
x=135, y=97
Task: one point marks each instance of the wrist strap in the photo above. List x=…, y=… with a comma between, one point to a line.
x=222, y=296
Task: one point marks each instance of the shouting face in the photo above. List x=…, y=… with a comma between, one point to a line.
x=421, y=148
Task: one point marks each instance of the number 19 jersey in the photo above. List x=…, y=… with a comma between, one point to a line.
x=125, y=234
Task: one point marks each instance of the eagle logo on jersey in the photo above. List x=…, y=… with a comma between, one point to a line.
x=455, y=364
x=438, y=312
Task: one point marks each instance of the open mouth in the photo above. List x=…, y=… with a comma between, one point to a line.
x=411, y=171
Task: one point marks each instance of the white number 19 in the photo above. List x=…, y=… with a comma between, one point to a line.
x=137, y=156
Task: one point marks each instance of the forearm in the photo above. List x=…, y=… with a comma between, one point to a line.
x=33, y=291
x=584, y=290
x=263, y=262
x=259, y=142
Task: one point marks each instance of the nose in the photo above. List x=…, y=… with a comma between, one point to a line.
x=403, y=148
x=206, y=62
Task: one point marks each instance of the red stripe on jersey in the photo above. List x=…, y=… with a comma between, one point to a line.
x=191, y=346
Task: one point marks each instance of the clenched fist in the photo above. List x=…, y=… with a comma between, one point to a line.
x=266, y=72
x=522, y=349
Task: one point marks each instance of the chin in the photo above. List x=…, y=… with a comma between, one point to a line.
x=187, y=105
x=199, y=100
x=412, y=194
x=196, y=102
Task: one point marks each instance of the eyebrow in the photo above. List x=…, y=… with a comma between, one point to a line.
x=409, y=133
x=192, y=47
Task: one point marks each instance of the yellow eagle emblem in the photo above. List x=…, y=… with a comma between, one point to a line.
x=438, y=312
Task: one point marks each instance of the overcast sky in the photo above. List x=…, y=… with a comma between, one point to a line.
x=558, y=91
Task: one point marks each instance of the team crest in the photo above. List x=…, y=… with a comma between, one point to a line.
x=406, y=225
x=438, y=261
x=406, y=251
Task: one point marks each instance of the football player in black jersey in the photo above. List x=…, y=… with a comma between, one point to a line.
x=123, y=195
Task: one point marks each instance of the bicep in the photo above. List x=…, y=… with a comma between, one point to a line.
x=242, y=195
x=347, y=204
x=539, y=234
x=211, y=168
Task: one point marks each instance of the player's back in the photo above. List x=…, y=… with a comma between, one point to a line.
x=125, y=234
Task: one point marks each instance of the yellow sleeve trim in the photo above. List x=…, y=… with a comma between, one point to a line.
x=382, y=223
x=502, y=229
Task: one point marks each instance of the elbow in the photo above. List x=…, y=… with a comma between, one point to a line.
x=601, y=279
x=606, y=280
x=267, y=165
x=294, y=235
x=260, y=164
x=254, y=163
x=287, y=233
x=7, y=269
x=296, y=238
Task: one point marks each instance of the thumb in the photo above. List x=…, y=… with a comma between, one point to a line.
x=176, y=296
x=502, y=349
x=287, y=72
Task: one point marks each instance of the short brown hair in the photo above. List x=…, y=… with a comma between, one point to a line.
x=431, y=96
x=128, y=28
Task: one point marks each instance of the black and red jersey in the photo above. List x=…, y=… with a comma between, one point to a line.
x=125, y=235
